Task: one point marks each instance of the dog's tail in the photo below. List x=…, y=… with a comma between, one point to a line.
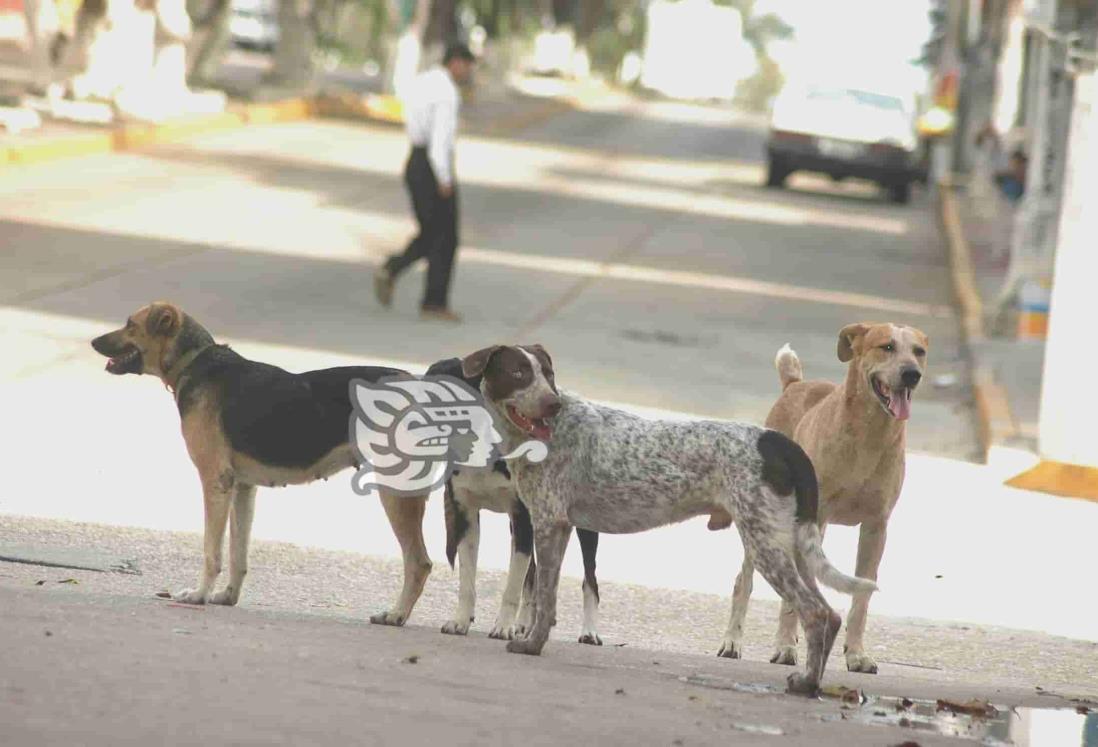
x=810, y=546
x=456, y=523
x=786, y=469
x=789, y=366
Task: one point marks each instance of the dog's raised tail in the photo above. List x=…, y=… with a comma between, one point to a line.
x=789, y=366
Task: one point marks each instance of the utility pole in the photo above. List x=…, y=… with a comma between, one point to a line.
x=1049, y=88
x=1066, y=441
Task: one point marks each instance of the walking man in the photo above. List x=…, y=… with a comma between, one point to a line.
x=431, y=116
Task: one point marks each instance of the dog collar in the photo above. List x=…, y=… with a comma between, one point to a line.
x=172, y=376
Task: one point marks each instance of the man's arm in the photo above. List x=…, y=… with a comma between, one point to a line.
x=440, y=151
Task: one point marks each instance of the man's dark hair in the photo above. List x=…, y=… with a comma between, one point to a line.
x=458, y=51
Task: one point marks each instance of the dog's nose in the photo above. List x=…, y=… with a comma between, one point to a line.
x=911, y=376
x=551, y=408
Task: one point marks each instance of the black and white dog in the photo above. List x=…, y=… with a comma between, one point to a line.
x=467, y=493
x=610, y=471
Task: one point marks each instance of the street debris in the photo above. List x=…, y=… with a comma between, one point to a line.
x=620, y=691
x=164, y=594
x=68, y=581
x=413, y=659
x=848, y=696
x=975, y=707
x=772, y=731
x=181, y=631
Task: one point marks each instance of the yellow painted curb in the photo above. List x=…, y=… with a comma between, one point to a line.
x=289, y=110
x=1057, y=478
x=960, y=265
x=132, y=136
x=65, y=146
x=376, y=107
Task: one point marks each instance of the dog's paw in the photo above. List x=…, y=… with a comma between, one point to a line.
x=227, y=596
x=860, y=662
x=524, y=646
x=731, y=650
x=190, y=596
x=388, y=618
x=591, y=639
x=785, y=655
x=456, y=627
x=506, y=632
x=800, y=684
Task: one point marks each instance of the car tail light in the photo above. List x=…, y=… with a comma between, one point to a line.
x=885, y=148
x=785, y=136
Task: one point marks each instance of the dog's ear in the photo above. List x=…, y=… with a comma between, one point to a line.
x=848, y=337
x=474, y=364
x=163, y=319
x=540, y=353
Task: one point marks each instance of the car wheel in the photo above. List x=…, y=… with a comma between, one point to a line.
x=776, y=173
x=900, y=193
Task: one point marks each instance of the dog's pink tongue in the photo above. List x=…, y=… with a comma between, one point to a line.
x=899, y=404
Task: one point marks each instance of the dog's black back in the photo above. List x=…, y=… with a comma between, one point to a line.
x=269, y=414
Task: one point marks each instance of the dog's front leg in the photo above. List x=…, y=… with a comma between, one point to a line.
x=240, y=535
x=467, y=569
x=522, y=546
x=550, y=543
x=217, y=495
x=871, y=544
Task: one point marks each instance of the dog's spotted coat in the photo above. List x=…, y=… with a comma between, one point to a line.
x=610, y=471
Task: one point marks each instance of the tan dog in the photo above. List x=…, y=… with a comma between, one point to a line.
x=855, y=435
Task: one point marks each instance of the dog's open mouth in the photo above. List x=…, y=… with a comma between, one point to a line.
x=539, y=428
x=128, y=361
x=897, y=401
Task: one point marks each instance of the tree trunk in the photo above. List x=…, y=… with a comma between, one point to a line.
x=293, y=62
x=209, y=42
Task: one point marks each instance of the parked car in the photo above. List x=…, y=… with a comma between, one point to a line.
x=843, y=132
x=253, y=24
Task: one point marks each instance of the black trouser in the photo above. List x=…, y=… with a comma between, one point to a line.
x=438, y=230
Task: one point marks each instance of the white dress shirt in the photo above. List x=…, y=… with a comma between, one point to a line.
x=430, y=118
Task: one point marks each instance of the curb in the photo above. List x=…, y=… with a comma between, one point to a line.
x=996, y=421
x=135, y=135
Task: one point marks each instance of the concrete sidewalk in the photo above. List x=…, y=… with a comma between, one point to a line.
x=94, y=657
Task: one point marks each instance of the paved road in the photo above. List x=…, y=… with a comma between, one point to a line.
x=102, y=662
x=634, y=241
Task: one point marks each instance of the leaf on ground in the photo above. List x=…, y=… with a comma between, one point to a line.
x=853, y=696
x=164, y=594
x=40, y=583
x=414, y=658
x=974, y=707
x=68, y=581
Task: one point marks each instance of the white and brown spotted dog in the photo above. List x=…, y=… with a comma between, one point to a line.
x=855, y=434
x=610, y=471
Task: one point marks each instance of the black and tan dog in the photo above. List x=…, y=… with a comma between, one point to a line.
x=248, y=424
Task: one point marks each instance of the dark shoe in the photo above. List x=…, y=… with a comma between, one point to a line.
x=438, y=314
x=383, y=286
